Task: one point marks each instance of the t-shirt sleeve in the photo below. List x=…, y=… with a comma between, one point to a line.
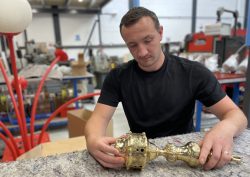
x=206, y=87
x=110, y=92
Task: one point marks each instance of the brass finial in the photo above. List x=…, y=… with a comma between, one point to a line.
x=138, y=151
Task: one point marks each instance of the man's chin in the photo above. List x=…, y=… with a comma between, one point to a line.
x=145, y=66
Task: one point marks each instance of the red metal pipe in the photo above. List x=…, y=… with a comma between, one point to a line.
x=36, y=98
x=12, y=140
x=9, y=145
x=58, y=110
x=13, y=100
x=19, y=92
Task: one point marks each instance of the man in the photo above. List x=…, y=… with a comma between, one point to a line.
x=158, y=94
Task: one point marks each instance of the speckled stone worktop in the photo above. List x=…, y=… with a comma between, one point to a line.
x=79, y=164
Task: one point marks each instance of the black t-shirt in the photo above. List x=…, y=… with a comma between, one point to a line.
x=161, y=103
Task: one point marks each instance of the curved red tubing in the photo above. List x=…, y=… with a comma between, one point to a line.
x=12, y=140
x=14, y=104
x=21, y=117
x=36, y=98
x=9, y=145
x=19, y=92
x=58, y=110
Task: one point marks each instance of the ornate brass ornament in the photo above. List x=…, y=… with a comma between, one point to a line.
x=138, y=151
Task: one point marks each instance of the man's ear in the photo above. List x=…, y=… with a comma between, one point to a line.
x=161, y=32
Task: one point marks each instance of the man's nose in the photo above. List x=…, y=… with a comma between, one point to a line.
x=142, y=51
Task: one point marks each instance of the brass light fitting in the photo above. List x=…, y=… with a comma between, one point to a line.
x=138, y=151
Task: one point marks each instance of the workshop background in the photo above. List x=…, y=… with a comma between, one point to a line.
x=211, y=32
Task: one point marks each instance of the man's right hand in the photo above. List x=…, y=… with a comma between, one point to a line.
x=100, y=148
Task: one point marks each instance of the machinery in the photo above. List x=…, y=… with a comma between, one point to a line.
x=218, y=38
x=39, y=53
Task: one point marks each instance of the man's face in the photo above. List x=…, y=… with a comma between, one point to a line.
x=143, y=41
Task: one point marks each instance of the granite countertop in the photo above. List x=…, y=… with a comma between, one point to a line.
x=81, y=163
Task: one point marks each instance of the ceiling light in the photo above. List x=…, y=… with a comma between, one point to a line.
x=80, y=0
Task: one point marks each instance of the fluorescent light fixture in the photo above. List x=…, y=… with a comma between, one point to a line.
x=80, y=0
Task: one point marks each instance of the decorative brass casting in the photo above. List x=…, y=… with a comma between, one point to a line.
x=138, y=151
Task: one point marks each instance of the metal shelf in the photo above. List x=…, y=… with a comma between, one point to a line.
x=56, y=122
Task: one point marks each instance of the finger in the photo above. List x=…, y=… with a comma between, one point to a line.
x=108, y=149
x=123, y=136
x=121, y=155
x=205, y=151
x=110, y=165
x=226, y=155
x=110, y=140
x=214, y=159
x=109, y=158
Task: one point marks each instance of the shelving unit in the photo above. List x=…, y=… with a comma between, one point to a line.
x=75, y=79
x=56, y=122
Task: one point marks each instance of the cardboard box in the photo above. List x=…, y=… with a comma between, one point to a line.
x=56, y=147
x=79, y=67
x=77, y=120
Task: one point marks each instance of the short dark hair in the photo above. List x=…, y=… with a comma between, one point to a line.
x=135, y=14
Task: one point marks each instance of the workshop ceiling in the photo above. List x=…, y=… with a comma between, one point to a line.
x=70, y=4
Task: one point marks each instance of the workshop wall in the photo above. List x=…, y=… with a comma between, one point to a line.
x=175, y=16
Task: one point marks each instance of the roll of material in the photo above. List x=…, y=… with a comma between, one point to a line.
x=242, y=68
x=231, y=64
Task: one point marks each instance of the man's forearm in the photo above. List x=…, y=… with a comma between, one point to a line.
x=236, y=119
x=95, y=127
x=98, y=122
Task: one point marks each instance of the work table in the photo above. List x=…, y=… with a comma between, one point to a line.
x=82, y=163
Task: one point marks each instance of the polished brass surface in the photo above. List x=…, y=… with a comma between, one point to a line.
x=138, y=151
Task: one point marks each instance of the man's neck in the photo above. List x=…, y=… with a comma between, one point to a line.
x=157, y=66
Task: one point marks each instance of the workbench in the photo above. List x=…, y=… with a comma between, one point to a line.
x=82, y=163
x=224, y=79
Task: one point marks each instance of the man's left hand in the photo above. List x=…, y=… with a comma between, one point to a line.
x=219, y=142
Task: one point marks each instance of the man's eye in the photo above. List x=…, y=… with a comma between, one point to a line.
x=131, y=46
x=148, y=40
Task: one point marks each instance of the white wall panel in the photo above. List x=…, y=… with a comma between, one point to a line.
x=171, y=15
x=209, y=7
x=175, y=16
x=175, y=30
x=110, y=23
x=169, y=7
x=41, y=29
x=76, y=28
